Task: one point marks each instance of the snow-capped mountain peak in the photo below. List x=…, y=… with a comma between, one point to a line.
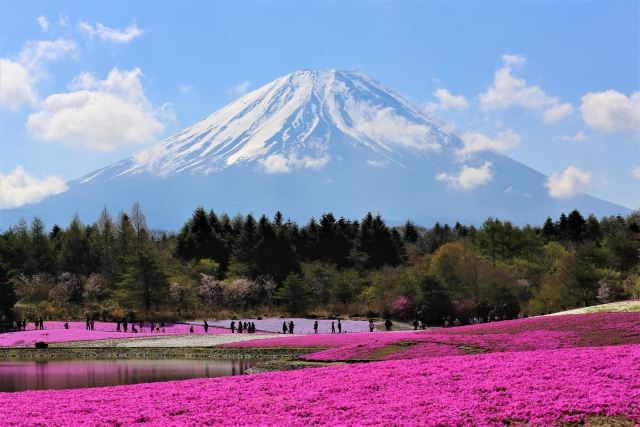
x=302, y=118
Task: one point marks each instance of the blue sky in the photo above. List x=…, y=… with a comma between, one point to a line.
x=554, y=85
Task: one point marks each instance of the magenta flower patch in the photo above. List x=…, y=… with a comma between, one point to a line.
x=541, y=388
x=55, y=332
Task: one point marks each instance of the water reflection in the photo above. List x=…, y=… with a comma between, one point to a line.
x=61, y=374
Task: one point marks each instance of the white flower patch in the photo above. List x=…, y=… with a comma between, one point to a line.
x=171, y=341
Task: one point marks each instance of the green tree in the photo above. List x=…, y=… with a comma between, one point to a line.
x=42, y=258
x=344, y=288
x=294, y=293
x=432, y=302
x=623, y=251
x=8, y=297
x=410, y=232
x=575, y=226
x=144, y=279
x=74, y=255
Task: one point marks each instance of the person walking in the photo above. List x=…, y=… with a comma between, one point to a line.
x=87, y=326
x=339, y=327
x=206, y=327
x=240, y=327
x=291, y=325
x=415, y=325
x=333, y=327
x=162, y=326
x=92, y=325
x=371, y=325
x=388, y=325
x=315, y=327
x=24, y=324
x=118, y=326
x=41, y=324
x=284, y=327
x=125, y=325
x=233, y=326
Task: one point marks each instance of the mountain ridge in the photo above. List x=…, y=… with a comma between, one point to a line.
x=312, y=142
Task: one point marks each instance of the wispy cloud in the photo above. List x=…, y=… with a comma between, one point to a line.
x=278, y=163
x=44, y=24
x=377, y=163
x=386, y=127
x=447, y=101
x=239, y=90
x=474, y=142
x=508, y=91
x=186, y=88
x=114, y=35
x=20, y=74
x=636, y=172
x=580, y=136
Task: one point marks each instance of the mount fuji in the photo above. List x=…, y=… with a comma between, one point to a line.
x=313, y=142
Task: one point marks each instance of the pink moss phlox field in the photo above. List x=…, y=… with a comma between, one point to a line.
x=542, y=333
x=541, y=388
x=55, y=332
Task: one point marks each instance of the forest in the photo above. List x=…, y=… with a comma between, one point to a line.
x=218, y=266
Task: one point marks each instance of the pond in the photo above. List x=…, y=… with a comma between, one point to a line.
x=61, y=374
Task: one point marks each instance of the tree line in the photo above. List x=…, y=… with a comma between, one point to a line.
x=218, y=265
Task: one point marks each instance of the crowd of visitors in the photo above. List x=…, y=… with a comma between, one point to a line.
x=246, y=327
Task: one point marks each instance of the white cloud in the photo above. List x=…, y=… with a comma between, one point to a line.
x=474, y=142
x=377, y=163
x=98, y=114
x=447, y=101
x=612, y=111
x=36, y=53
x=20, y=187
x=111, y=34
x=19, y=76
x=239, y=90
x=572, y=182
x=636, y=172
x=557, y=112
x=469, y=177
x=167, y=113
x=278, y=163
x=44, y=24
x=16, y=88
x=64, y=20
x=384, y=126
x=515, y=60
x=508, y=91
x=185, y=88
x=580, y=136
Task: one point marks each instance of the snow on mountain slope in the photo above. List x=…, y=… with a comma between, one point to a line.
x=299, y=118
x=313, y=142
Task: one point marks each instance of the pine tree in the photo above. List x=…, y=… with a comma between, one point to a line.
x=575, y=226
x=549, y=230
x=410, y=232
x=41, y=252
x=144, y=279
x=294, y=293
x=8, y=297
